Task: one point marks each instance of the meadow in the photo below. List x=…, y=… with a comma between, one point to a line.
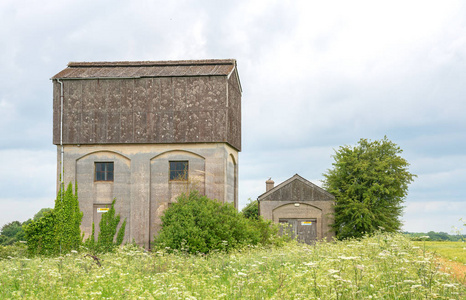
x=385, y=266
x=455, y=251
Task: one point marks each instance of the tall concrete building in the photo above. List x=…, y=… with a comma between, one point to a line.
x=143, y=132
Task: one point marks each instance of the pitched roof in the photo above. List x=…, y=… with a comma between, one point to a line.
x=139, y=69
x=291, y=179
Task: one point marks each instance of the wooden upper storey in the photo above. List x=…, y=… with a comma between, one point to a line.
x=148, y=102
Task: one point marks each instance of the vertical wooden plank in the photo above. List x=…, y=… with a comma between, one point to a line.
x=113, y=127
x=126, y=90
x=126, y=131
x=179, y=93
x=140, y=127
x=166, y=103
x=165, y=127
x=86, y=127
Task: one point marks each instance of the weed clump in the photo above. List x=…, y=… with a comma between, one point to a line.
x=197, y=224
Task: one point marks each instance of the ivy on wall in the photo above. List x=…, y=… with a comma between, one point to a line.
x=108, y=228
x=58, y=230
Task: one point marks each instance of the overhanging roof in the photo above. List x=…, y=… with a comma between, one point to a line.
x=140, y=69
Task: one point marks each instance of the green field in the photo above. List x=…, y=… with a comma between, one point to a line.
x=455, y=251
x=381, y=267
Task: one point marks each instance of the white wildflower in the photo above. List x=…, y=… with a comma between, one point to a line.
x=409, y=281
x=348, y=257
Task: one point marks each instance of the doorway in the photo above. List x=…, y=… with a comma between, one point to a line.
x=304, y=230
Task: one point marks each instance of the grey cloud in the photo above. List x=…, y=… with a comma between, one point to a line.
x=314, y=76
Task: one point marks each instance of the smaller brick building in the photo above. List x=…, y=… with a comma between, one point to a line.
x=304, y=206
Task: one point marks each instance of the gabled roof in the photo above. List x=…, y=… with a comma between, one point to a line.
x=288, y=181
x=140, y=69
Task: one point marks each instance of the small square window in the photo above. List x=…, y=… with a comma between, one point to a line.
x=178, y=170
x=103, y=171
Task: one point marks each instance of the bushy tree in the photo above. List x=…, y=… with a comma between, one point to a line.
x=41, y=213
x=41, y=235
x=251, y=210
x=370, y=182
x=57, y=230
x=197, y=224
x=14, y=231
x=11, y=233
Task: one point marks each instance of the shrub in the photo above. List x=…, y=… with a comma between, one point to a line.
x=11, y=233
x=108, y=228
x=251, y=210
x=57, y=230
x=16, y=250
x=41, y=235
x=68, y=220
x=197, y=224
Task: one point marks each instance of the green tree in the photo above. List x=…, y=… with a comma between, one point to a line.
x=14, y=231
x=11, y=233
x=197, y=224
x=370, y=182
x=41, y=235
x=41, y=213
x=57, y=230
x=251, y=210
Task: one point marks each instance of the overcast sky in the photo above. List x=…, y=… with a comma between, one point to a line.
x=315, y=75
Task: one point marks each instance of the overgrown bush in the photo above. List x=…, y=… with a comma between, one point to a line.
x=41, y=235
x=16, y=250
x=197, y=224
x=108, y=228
x=57, y=231
x=68, y=220
x=11, y=233
x=251, y=210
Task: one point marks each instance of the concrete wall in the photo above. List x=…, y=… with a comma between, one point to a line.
x=141, y=180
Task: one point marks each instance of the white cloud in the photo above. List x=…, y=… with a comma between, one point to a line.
x=434, y=216
x=27, y=173
x=12, y=209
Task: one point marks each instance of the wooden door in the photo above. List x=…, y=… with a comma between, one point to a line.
x=307, y=231
x=304, y=230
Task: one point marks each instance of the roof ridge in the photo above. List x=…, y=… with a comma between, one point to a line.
x=152, y=63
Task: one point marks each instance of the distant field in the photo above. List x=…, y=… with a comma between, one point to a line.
x=455, y=251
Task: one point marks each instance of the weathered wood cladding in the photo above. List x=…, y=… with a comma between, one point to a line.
x=298, y=191
x=234, y=110
x=199, y=109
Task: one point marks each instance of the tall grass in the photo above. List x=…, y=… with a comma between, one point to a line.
x=385, y=266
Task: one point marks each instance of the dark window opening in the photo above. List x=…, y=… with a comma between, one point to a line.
x=179, y=170
x=104, y=171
